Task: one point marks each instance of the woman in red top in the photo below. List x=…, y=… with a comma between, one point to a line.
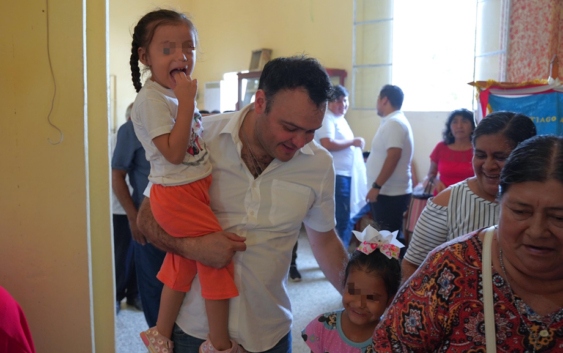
x=451, y=158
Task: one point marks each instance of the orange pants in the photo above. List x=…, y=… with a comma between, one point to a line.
x=183, y=211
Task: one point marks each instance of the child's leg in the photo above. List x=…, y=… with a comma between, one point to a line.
x=217, y=286
x=170, y=303
x=218, y=317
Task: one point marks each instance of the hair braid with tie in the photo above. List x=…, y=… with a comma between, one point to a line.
x=144, y=32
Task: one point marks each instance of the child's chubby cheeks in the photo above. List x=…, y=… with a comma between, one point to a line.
x=170, y=53
x=365, y=297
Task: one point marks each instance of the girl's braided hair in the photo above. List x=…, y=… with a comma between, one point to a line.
x=144, y=32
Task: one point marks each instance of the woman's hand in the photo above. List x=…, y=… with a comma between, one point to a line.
x=439, y=185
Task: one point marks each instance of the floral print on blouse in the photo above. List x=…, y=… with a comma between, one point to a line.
x=441, y=309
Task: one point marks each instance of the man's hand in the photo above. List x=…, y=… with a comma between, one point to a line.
x=217, y=249
x=372, y=195
x=122, y=193
x=136, y=233
x=214, y=250
x=359, y=142
x=186, y=88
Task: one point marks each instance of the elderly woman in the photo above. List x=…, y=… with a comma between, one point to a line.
x=441, y=309
x=451, y=158
x=470, y=204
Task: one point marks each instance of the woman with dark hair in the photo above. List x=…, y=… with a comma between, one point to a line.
x=451, y=158
x=470, y=204
x=495, y=289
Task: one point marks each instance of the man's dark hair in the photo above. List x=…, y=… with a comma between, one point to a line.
x=337, y=92
x=295, y=72
x=394, y=94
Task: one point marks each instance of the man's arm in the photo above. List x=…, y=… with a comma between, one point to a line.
x=330, y=254
x=391, y=161
x=338, y=145
x=121, y=191
x=215, y=249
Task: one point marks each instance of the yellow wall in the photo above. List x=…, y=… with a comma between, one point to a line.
x=123, y=16
x=55, y=234
x=230, y=30
x=98, y=163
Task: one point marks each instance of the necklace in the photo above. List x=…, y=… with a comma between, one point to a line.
x=534, y=335
x=255, y=164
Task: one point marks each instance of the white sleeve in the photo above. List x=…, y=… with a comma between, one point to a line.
x=395, y=135
x=155, y=116
x=327, y=130
x=321, y=214
x=431, y=230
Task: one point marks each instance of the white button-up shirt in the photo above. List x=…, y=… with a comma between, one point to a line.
x=268, y=211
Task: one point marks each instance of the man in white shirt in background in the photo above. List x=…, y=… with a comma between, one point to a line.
x=389, y=163
x=268, y=179
x=336, y=136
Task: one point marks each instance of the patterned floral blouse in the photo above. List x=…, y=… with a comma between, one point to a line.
x=441, y=309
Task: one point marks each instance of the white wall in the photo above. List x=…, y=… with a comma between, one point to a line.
x=427, y=132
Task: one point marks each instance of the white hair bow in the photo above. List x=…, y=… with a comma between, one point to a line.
x=384, y=240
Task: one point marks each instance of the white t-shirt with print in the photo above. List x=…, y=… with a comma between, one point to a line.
x=154, y=114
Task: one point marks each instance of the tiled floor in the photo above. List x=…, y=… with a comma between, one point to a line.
x=310, y=297
x=128, y=324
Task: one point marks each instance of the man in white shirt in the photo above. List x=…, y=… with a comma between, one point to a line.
x=336, y=136
x=389, y=163
x=268, y=179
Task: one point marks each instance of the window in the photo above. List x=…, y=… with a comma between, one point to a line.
x=425, y=47
x=372, y=51
x=433, y=53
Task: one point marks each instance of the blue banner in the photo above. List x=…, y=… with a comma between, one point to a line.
x=545, y=110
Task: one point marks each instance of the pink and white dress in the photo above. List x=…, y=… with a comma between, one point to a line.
x=324, y=335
